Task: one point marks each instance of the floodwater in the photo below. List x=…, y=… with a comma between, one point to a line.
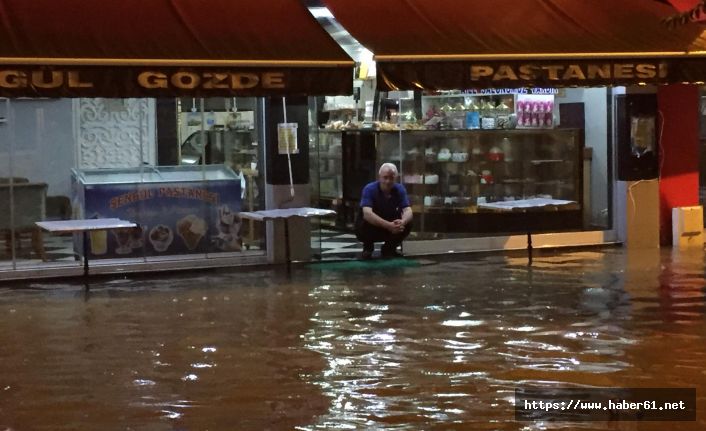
x=440, y=346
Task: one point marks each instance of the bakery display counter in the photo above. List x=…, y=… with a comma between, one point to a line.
x=452, y=176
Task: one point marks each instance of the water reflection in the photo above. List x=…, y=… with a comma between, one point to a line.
x=438, y=346
x=204, y=352
x=456, y=338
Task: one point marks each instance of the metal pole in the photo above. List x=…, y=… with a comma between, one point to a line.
x=286, y=247
x=85, y=254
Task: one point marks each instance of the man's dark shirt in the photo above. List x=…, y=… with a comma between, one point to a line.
x=388, y=208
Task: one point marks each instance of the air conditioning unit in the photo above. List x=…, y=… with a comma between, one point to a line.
x=688, y=227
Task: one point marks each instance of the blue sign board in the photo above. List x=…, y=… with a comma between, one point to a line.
x=174, y=218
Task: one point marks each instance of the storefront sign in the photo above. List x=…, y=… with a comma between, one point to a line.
x=211, y=80
x=567, y=72
x=503, y=75
x=502, y=91
x=102, y=81
x=13, y=79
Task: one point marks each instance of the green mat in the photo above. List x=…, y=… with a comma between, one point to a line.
x=371, y=264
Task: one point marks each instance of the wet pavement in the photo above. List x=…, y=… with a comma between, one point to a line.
x=442, y=345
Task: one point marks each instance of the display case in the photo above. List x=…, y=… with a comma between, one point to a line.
x=452, y=177
x=342, y=163
x=179, y=209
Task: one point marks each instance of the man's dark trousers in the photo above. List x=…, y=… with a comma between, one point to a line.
x=369, y=235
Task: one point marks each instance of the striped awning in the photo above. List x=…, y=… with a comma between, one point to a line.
x=451, y=44
x=131, y=48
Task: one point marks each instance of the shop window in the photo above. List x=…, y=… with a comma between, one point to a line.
x=84, y=158
x=471, y=161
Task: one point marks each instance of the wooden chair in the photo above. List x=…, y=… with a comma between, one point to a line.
x=29, y=201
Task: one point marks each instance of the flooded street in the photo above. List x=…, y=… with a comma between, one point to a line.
x=439, y=345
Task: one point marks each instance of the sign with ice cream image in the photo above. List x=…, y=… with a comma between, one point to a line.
x=174, y=218
x=192, y=229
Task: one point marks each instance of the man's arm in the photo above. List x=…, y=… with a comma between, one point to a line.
x=375, y=220
x=407, y=215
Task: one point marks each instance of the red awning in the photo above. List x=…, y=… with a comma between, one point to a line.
x=447, y=44
x=683, y=5
x=167, y=47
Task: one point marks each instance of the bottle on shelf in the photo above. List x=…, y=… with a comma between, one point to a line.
x=488, y=116
x=472, y=116
x=503, y=116
x=445, y=111
x=458, y=116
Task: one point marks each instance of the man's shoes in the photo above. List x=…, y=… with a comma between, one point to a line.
x=368, y=248
x=388, y=253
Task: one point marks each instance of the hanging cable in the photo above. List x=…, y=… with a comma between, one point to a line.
x=286, y=141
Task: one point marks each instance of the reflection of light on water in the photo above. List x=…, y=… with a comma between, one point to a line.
x=452, y=395
x=321, y=345
x=334, y=364
x=575, y=335
x=575, y=325
x=201, y=365
x=520, y=329
x=190, y=377
x=208, y=349
x=599, y=338
x=534, y=344
x=465, y=334
x=462, y=322
x=333, y=425
x=171, y=415
x=145, y=382
x=448, y=374
x=376, y=338
x=460, y=345
x=429, y=409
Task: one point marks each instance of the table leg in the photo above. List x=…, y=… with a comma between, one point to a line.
x=85, y=253
x=529, y=247
x=286, y=243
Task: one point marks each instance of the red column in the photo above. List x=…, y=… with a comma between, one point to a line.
x=679, y=145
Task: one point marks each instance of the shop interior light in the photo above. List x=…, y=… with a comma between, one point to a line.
x=367, y=64
x=320, y=12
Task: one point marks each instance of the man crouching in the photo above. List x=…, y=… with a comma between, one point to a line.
x=386, y=214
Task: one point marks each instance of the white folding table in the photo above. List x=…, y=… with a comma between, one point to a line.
x=529, y=205
x=286, y=214
x=83, y=226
